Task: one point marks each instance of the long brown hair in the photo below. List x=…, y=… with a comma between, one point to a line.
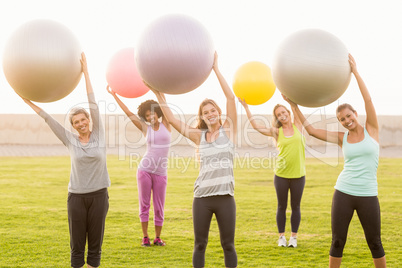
x=201, y=123
x=276, y=122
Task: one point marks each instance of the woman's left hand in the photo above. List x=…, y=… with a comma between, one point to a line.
x=289, y=101
x=84, y=64
x=352, y=63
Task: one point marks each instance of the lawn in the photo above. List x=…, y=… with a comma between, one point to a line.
x=34, y=228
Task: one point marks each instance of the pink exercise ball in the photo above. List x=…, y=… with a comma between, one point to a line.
x=41, y=61
x=175, y=54
x=122, y=75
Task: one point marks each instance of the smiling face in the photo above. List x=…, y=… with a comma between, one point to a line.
x=80, y=123
x=151, y=117
x=282, y=115
x=347, y=118
x=210, y=114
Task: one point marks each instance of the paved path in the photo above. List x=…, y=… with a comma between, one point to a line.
x=182, y=151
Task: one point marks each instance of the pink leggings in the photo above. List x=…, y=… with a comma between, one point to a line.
x=147, y=183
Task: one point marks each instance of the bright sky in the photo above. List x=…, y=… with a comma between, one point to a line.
x=243, y=31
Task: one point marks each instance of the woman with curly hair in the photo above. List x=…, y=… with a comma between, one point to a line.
x=152, y=171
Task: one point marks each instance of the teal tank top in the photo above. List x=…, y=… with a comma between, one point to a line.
x=359, y=174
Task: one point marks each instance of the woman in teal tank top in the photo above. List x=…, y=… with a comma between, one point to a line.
x=290, y=168
x=356, y=187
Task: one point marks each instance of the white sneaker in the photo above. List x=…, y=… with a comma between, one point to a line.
x=292, y=242
x=282, y=241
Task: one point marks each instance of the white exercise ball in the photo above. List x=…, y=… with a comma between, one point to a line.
x=41, y=61
x=175, y=54
x=311, y=68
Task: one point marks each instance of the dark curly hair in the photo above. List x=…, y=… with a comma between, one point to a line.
x=149, y=105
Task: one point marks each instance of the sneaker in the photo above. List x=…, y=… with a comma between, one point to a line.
x=282, y=241
x=145, y=242
x=159, y=242
x=292, y=242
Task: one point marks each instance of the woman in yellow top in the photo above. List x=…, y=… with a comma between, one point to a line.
x=290, y=168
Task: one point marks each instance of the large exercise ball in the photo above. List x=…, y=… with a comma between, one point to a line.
x=253, y=82
x=41, y=61
x=175, y=54
x=122, y=75
x=311, y=67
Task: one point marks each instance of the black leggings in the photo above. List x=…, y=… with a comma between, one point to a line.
x=368, y=210
x=86, y=219
x=296, y=187
x=224, y=208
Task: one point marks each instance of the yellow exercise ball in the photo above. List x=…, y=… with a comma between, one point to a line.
x=253, y=82
x=41, y=61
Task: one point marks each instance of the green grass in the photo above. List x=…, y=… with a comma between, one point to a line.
x=34, y=228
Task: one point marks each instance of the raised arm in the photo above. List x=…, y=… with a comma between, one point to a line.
x=371, y=115
x=34, y=107
x=60, y=132
x=93, y=106
x=134, y=118
x=231, y=113
x=321, y=134
x=191, y=133
x=296, y=120
x=267, y=131
x=84, y=66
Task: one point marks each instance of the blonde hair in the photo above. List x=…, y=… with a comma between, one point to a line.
x=276, y=121
x=201, y=123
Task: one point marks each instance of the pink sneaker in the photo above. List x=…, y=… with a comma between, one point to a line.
x=159, y=242
x=145, y=242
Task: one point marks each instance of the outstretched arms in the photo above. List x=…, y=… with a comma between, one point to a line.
x=34, y=107
x=267, y=131
x=191, y=133
x=84, y=66
x=134, y=118
x=321, y=134
x=371, y=115
x=231, y=113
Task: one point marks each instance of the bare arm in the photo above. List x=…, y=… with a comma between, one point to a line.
x=321, y=134
x=134, y=118
x=34, y=107
x=191, y=133
x=231, y=113
x=93, y=106
x=371, y=115
x=267, y=131
x=84, y=66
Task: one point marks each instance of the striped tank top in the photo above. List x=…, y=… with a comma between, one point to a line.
x=216, y=167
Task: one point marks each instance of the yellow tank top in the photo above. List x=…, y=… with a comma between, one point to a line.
x=290, y=162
